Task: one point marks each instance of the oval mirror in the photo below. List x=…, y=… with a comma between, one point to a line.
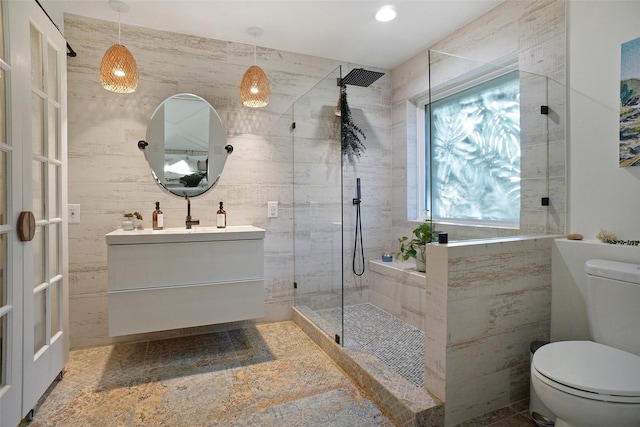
x=186, y=145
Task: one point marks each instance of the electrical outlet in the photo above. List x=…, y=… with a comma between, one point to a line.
x=74, y=214
x=272, y=209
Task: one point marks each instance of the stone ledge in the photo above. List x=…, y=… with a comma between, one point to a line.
x=406, y=404
x=394, y=268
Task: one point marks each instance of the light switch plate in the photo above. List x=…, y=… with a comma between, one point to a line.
x=74, y=214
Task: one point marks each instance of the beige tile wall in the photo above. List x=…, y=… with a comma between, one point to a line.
x=399, y=289
x=108, y=174
x=486, y=302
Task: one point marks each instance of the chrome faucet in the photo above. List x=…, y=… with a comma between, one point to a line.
x=189, y=222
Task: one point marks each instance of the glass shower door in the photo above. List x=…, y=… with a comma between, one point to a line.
x=317, y=205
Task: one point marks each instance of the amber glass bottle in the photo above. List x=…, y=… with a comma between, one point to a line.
x=158, y=218
x=221, y=217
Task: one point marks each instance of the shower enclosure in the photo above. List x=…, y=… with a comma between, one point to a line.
x=514, y=153
x=317, y=204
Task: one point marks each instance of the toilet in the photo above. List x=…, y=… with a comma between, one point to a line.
x=597, y=383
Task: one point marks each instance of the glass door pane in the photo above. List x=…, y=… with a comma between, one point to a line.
x=56, y=308
x=52, y=73
x=37, y=189
x=3, y=107
x=4, y=158
x=3, y=301
x=37, y=124
x=54, y=193
x=317, y=205
x=36, y=58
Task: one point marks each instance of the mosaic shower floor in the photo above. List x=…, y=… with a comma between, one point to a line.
x=399, y=345
x=267, y=375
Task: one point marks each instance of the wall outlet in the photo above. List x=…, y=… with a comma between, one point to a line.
x=272, y=209
x=74, y=214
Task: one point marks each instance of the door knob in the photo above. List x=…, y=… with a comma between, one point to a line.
x=26, y=226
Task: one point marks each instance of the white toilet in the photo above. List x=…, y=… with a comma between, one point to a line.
x=597, y=384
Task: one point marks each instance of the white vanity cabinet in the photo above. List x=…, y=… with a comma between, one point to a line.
x=179, y=278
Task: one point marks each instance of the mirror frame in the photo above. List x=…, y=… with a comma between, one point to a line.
x=156, y=153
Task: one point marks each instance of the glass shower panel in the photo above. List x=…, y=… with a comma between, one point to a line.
x=494, y=150
x=317, y=206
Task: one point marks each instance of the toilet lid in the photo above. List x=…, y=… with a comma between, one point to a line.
x=591, y=367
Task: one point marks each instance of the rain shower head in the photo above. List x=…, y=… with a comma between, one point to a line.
x=361, y=77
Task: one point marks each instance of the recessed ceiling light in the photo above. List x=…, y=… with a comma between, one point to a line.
x=386, y=13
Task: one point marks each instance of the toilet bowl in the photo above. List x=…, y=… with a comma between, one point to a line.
x=597, y=383
x=586, y=384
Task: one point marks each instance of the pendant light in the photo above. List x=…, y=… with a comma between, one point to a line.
x=118, y=69
x=254, y=88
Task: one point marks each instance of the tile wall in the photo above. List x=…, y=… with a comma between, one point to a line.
x=399, y=289
x=108, y=174
x=486, y=302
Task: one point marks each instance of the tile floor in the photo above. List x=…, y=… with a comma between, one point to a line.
x=267, y=375
x=398, y=344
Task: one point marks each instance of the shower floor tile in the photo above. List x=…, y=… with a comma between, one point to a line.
x=267, y=375
x=398, y=344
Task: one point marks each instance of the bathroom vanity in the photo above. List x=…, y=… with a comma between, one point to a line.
x=178, y=278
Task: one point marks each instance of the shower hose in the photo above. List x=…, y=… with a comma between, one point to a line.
x=358, y=232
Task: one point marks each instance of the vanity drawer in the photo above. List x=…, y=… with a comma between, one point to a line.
x=148, y=310
x=141, y=266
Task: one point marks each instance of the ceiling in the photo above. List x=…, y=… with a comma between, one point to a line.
x=343, y=30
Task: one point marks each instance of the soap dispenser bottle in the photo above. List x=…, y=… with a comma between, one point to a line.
x=158, y=218
x=221, y=217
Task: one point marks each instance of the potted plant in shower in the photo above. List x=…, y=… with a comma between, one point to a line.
x=415, y=247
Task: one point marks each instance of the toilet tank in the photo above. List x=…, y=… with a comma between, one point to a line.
x=612, y=296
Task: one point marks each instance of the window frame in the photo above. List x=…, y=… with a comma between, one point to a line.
x=470, y=79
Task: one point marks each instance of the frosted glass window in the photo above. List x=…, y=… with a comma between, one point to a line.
x=475, y=153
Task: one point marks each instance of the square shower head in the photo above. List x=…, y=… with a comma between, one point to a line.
x=361, y=77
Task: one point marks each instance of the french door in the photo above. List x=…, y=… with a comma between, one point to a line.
x=36, y=176
x=11, y=307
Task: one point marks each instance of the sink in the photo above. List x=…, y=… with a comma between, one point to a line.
x=177, y=235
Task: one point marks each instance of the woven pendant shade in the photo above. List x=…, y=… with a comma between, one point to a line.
x=118, y=70
x=254, y=89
